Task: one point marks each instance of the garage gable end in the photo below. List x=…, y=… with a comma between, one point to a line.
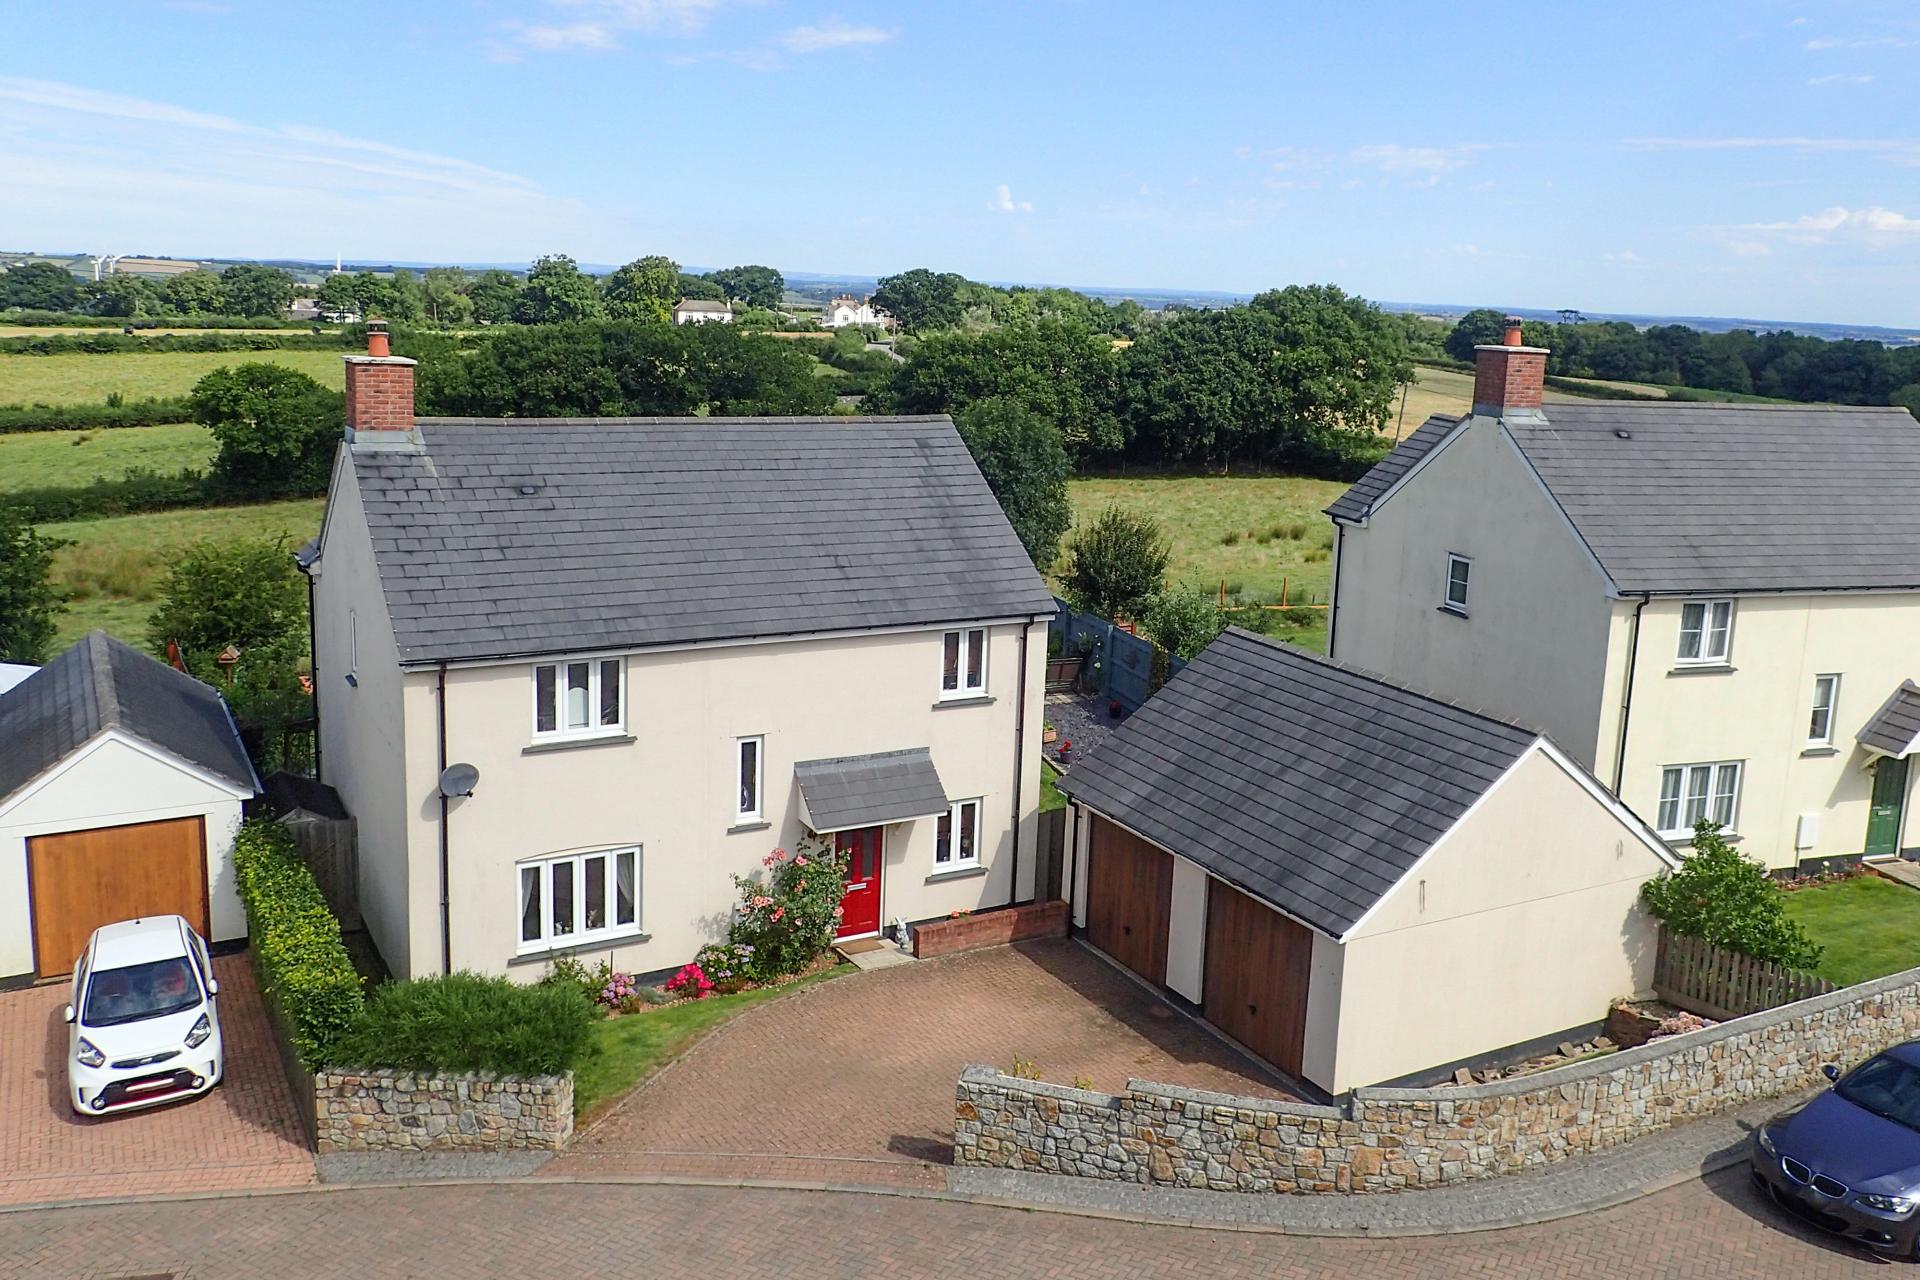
x=115, y=773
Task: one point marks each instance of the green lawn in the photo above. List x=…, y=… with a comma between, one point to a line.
x=1050, y=797
x=89, y=379
x=69, y=459
x=113, y=570
x=628, y=1049
x=1870, y=927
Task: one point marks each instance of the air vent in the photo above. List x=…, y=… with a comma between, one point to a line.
x=1623, y=433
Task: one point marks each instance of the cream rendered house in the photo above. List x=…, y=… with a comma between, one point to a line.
x=662, y=648
x=1716, y=607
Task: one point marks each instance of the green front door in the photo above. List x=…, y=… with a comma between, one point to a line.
x=1883, y=819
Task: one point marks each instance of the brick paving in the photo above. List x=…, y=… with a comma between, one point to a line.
x=1716, y=1228
x=244, y=1134
x=853, y=1080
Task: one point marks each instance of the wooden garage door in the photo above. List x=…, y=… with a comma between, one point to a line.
x=1255, y=988
x=1129, y=899
x=81, y=880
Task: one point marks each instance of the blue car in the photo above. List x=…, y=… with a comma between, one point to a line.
x=1849, y=1161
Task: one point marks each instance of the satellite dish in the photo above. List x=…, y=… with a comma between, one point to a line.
x=459, y=780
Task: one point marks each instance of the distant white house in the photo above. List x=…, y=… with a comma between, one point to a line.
x=700, y=311
x=846, y=311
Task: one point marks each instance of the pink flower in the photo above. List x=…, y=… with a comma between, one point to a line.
x=762, y=900
x=800, y=860
x=780, y=855
x=800, y=887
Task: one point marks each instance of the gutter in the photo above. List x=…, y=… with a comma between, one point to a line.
x=1626, y=697
x=446, y=917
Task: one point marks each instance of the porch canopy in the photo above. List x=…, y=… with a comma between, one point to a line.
x=1894, y=729
x=849, y=792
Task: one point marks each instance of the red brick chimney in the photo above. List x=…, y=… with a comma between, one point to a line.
x=380, y=393
x=1508, y=378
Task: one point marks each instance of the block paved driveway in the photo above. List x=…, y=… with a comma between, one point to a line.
x=853, y=1080
x=1714, y=1229
x=243, y=1134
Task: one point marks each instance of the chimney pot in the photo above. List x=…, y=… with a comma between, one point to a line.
x=377, y=344
x=1512, y=338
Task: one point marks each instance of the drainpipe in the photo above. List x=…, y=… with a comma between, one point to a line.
x=1333, y=596
x=446, y=917
x=1019, y=761
x=313, y=662
x=1626, y=697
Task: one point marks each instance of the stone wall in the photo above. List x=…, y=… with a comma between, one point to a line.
x=388, y=1110
x=1395, y=1139
x=990, y=928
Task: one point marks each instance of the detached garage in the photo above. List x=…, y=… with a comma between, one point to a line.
x=121, y=786
x=1356, y=882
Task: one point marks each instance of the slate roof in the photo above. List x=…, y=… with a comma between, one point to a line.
x=514, y=537
x=1357, y=501
x=1690, y=498
x=1895, y=727
x=1309, y=784
x=101, y=684
x=702, y=304
x=864, y=791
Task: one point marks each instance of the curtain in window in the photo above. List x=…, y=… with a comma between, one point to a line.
x=626, y=899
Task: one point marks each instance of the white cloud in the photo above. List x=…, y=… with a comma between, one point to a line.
x=832, y=34
x=1871, y=42
x=73, y=98
x=1003, y=201
x=1392, y=157
x=1873, y=220
x=599, y=24
x=1903, y=151
x=1871, y=228
x=1840, y=78
x=572, y=37
x=1624, y=258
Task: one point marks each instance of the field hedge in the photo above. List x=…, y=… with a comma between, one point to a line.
x=73, y=320
x=116, y=343
x=466, y=1022
x=16, y=418
x=303, y=964
x=137, y=491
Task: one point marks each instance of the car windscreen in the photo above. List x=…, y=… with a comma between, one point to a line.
x=150, y=990
x=1887, y=1087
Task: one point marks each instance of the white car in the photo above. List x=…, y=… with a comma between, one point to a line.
x=143, y=1027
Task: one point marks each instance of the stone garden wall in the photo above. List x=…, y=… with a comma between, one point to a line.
x=1395, y=1139
x=388, y=1110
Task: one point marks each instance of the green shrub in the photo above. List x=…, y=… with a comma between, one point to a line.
x=1183, y=620
x=1116, y=563
x=1730, y=901
x=16, y=418
x=304, y=967
x=788, y=912
x=467, y=1022
x=99, y=343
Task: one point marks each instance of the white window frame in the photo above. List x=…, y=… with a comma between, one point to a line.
x=1706, y=631
x=543, y=870
x=1689, y=792
x=1831, y=682
x=969, y=640
x=353, y=642
x=560, y=732
x=1447, y=601
x=950, y=822
x=758, y=811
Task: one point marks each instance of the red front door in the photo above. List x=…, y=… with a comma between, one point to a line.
x=860, y=909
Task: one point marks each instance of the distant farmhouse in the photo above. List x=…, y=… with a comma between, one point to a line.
x=846, y=311
x=701, y=311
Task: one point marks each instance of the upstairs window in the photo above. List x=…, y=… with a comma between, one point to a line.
x=1826, y=692
x=963, y=669
x=956, y=841
x=1706, y=631
x=1459, y=574
x=750, y=762
x=577, y=699
x=1690, y=792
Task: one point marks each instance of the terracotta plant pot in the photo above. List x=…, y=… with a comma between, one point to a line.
x=1049, y=733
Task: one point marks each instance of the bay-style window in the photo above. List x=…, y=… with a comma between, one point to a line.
x=577, y=698
x=580, y=898
x=1706, y=632
x=956, y=842
x=1690, y=792
x=963, y=663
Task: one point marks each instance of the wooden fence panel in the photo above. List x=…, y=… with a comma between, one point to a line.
x=1713, y=982
x=331, y=850
x=1051, y=854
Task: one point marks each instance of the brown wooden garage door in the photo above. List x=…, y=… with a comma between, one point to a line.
x=1257, y=964
x=1129, y=899
x=81, y=880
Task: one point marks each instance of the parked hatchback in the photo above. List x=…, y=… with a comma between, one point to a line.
x=144, y=1026
x=1849, y=1161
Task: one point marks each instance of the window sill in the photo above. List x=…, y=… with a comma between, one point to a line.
x=574, y=948
x=1684, y=840
x=742, y=828
x=1703, y=669
x=576, y=744
x=1817, y=751
x=971, y=700
x=959, y=873
x=1452, y=612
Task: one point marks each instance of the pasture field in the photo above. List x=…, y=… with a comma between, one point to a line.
x=81, y=378
x=70, y=459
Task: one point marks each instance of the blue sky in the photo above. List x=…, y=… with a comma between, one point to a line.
x=1754, y=158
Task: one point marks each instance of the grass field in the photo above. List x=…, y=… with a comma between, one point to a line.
x=89, y=379
x=113, y=568
x=68, y=459
x=1870, y=927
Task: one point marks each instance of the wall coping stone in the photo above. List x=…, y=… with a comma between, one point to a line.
x=1236, y=1102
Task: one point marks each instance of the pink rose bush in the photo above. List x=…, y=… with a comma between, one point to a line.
x=788, y=910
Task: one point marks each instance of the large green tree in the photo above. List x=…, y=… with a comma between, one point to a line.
x=558, y=291
x=921, y=300
x=29, y=602
x=758, y=286
x=1020, y=454
x=1117, y=564
x=443, y=292
x=123, y=295
x=1482, y=326
x=276, y=429
x=644, y=289
x=193, y=293
x=242, y=593
x=493, y=294
x=39, y=286
x=253, y=289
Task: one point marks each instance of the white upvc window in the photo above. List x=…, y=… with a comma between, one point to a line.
x=963, y=663
x=1459, y=574
x=580, y=898
x=1690, y=792
x=577, y=698
x=1826, y=695
x=750, y=772
x=956, y=840
x=353, y=642
x=1706, y=632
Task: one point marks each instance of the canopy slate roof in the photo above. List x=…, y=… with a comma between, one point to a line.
x=503, y=538
x=1894, y=729
x=848, y=792
x=1309, y=784
x=101, y=684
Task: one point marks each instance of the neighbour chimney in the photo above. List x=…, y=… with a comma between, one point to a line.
x=1508, y=379
x=380, y=394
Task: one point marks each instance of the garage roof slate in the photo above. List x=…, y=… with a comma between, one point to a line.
x=1309, y=784
x=102, y=684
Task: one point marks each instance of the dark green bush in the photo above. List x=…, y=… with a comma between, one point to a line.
x=466, y=1022
x=138, y=490
x=102, y=342
x=74, y=320
x=304, y=967
x=16, y=418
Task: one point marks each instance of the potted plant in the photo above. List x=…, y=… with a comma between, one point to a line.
x=1114, y=710
x=1047, y=732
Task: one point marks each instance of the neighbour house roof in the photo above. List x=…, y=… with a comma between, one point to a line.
x=1309, y=784
x=701, y=304
x=1894, y=729
x=850, y=792
x=101, y=684
x=1687, y=498
x=502, y=538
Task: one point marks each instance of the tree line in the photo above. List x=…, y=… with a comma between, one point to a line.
x=247, y=289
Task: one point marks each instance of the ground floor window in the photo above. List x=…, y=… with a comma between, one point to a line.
x=579, y=898
x=956, y=841
x=1690, y=792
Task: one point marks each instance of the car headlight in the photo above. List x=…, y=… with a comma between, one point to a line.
x=201, y=1030
x=1887, y=1204
x=88, y=1055
x=1765, y=1140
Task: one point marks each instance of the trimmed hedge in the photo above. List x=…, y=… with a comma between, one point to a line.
x=16, y=418
x=304, y=967
x=466, y=1022
x=138, y=490
x=74, y=320
x=97, y=343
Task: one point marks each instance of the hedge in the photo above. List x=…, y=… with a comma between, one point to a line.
x=467, y=1022
x=102, y=343
x=74, y=320
x=138, y=490
x=303, y=964
x=15, y=418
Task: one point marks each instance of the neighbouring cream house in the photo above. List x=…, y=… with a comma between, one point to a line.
x=846, y=311
x=1716, y=607
x=662, y=648
x=1359, y=883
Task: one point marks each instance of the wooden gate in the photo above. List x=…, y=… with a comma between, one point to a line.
x=80, y=880
x=1129, y=899
x=1257, y=968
